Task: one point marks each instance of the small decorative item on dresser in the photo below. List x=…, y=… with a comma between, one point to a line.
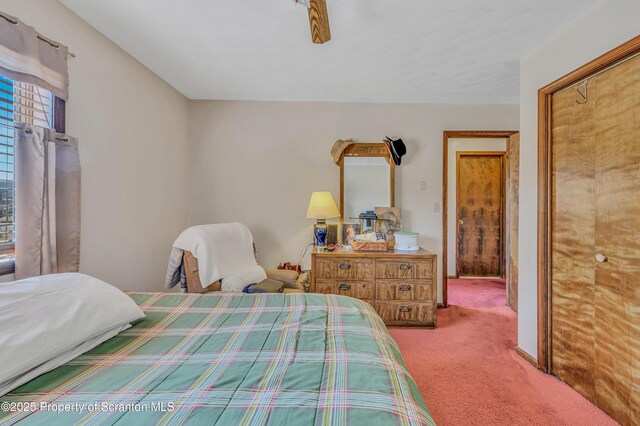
x=332, y=233
x=322, y=207
x=366, y=220
x=389, y=222
x=349, y=232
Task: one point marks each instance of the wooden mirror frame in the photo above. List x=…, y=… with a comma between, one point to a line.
x=368, y=150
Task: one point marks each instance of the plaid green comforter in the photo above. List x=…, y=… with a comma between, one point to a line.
x=232, y=360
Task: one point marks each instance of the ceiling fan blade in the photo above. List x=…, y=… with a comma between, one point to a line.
x=319, y=21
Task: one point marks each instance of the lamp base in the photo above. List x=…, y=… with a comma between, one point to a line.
x=320, y=231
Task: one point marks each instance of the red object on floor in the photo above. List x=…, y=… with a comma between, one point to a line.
x=469, y=374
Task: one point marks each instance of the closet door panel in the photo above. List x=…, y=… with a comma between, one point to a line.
x=573, y=241
x=617, y=296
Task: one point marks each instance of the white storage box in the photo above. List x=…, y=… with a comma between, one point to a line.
x=407, y=241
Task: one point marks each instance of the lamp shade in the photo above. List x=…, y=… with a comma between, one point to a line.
x=322, y=206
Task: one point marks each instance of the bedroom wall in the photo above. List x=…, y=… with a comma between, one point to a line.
x=132, y=131
x=602, y=28
x=258, y=162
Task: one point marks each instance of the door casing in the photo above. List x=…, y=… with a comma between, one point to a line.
x=458, y=134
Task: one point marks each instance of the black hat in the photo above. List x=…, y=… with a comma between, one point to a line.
x=396, y=148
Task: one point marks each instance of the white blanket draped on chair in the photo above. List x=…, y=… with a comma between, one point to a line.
x=224, y=252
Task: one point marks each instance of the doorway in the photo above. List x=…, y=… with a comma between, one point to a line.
x=476, y=214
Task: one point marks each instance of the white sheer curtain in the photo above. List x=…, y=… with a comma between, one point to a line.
x=47, y=197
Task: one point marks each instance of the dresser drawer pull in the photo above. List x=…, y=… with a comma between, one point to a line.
x=405, y=266
x=404, y=287
x=344, y=287
x=344, y=265
x=405, y=308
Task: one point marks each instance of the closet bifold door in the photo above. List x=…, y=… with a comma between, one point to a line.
x=573, y=241
x=595, y=241
x=617, y=256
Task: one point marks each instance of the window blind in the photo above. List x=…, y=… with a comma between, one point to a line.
x=19, y=103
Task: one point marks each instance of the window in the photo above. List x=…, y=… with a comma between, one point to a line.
x=19, y=103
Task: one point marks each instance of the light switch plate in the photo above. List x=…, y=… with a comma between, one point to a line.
x=436, y=207
x=423, y=185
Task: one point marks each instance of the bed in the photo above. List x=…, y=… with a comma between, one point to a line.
x=232, y=359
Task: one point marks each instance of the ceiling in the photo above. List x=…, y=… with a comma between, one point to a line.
x=431, y=51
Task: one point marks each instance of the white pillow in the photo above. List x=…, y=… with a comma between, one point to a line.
x=61, y=359
x=44, y=317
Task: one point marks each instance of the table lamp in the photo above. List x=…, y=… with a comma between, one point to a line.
x=322, y=207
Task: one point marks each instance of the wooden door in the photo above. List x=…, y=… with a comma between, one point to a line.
x=595, y=251
x=617, y=291
x=573, y=241
x=513, y=205
x=480, y=208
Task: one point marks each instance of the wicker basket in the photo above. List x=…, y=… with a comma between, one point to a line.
x=370, y=245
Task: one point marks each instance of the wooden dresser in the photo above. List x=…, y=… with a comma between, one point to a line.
x=400, y=286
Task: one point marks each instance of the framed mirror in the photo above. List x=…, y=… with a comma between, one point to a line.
x=367, y=179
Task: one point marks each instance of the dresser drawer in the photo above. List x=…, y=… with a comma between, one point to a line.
x=411, y=269
x=345, y=269
x=415, y=290
x=407, y=311
x=357, y=289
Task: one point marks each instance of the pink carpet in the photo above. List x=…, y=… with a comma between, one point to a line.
x=469, y=374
